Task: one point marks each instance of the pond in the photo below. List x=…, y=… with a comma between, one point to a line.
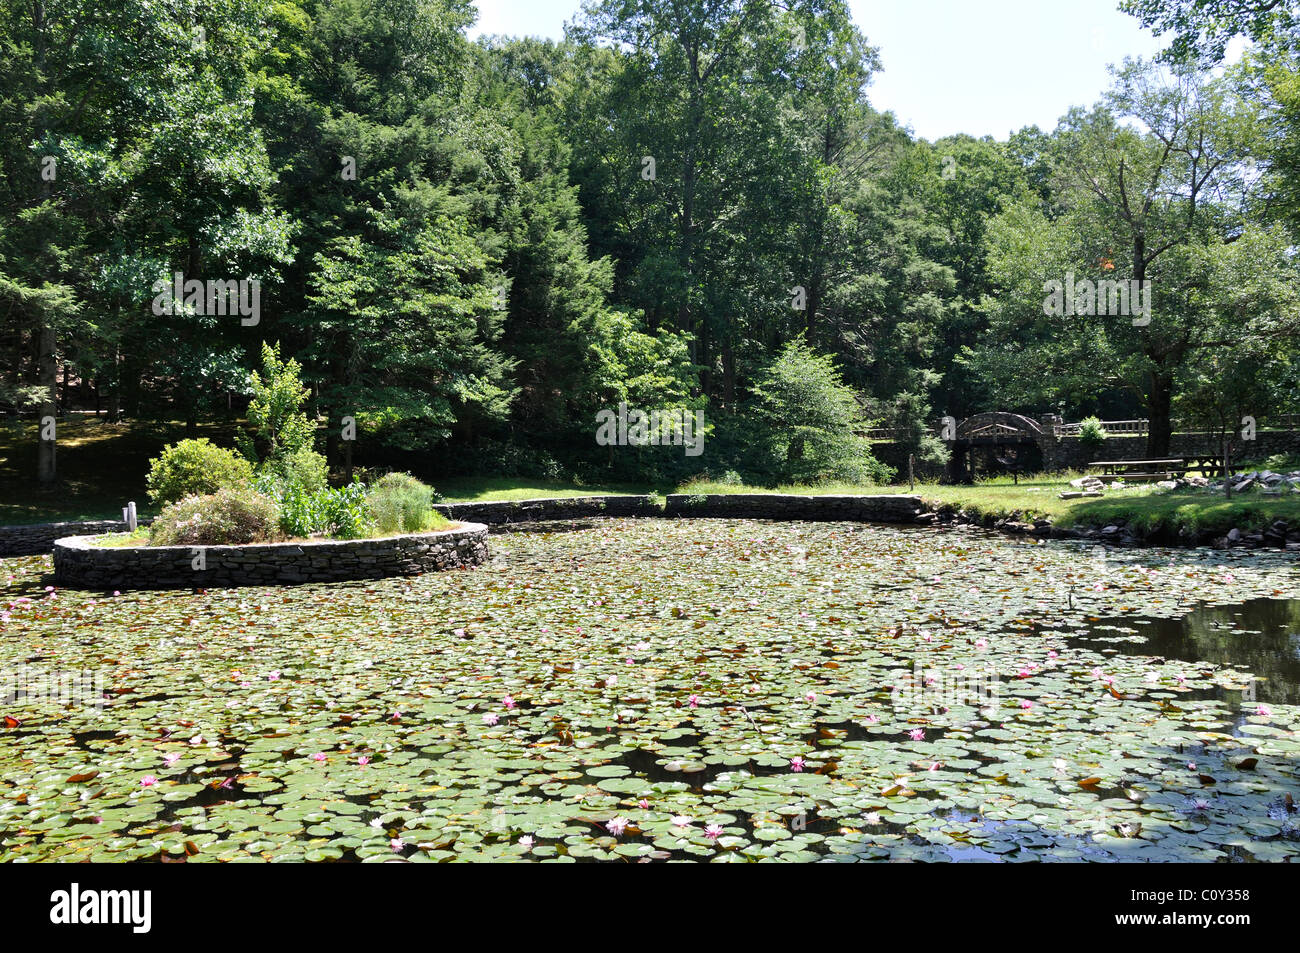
x=642, y=690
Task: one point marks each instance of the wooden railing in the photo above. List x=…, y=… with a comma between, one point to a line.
x=1117, y=428
x=1124, y=428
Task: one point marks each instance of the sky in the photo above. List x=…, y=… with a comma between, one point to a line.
x=983, y=67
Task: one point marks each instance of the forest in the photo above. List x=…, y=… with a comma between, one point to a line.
x=476, y=251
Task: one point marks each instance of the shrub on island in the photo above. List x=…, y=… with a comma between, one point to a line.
x=230, y=516
x=195, y=468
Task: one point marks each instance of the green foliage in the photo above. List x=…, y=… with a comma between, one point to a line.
x=813, y=420
x=1092, y=435
x=1201, y=29
x=399, y=503
x=497, y=270
x=191, y=467
x=228, y=517
x=340, y=513
x=281, y=428
x=303, y=469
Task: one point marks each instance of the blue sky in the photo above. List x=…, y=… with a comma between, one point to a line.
x=984, y=67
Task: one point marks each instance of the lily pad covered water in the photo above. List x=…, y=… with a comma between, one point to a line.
x=651, y=689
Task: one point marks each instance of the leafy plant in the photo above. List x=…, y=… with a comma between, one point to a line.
x=281, y=427
x=341, y=513
x=195, y=467
x=304, y=469
x=1092, y=435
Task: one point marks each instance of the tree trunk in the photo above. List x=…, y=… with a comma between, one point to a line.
x=1159, y=407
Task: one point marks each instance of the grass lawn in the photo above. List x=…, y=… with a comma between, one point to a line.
x=482, y=489
x=1036, y=496
x=101, y=467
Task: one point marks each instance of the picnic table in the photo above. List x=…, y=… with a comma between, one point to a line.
x=1140, y=467
x=1143, y=471
x=1162, y=468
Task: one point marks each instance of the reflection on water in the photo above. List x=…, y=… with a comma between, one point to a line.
x=1262, y=635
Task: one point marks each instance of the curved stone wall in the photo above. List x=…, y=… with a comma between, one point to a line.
x=884, y=508
x=35, y=539
x=79, y=564
x=495, y=512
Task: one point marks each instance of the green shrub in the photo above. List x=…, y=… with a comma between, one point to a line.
x=1092, y=435
x=340, y=513
x=303, y=469
x=195, y=468
x=229, y=516
x=399, y=503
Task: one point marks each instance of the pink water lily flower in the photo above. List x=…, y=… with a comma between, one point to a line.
x=363, y=760
x=526, y=842
x=396, y=844
x=713, y=831
x=643, y=804
x=797, y=763
x=318, y=756
x=509, y=702
x=1263, y=711
x=917, y=734
x=616, y=826
x=1026, y=704
x=170, y=759
x=491, y=718
x=681, y=820
x=148, y=781
x=694, y=701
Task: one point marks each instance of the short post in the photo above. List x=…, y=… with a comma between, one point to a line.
x=1227, y=470
x=911, y=471
x=130, y=516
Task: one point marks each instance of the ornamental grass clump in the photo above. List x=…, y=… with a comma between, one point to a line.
x=399, y=503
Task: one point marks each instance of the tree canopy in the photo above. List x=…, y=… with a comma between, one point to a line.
x=687, y=205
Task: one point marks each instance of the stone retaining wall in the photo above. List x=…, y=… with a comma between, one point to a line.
x=776, y=506
x=80, y=565
x=893, y=508
x=38, y=538
x=1069, y=454
x=496, y=512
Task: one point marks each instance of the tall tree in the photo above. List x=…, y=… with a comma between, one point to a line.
x=1140, y=182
